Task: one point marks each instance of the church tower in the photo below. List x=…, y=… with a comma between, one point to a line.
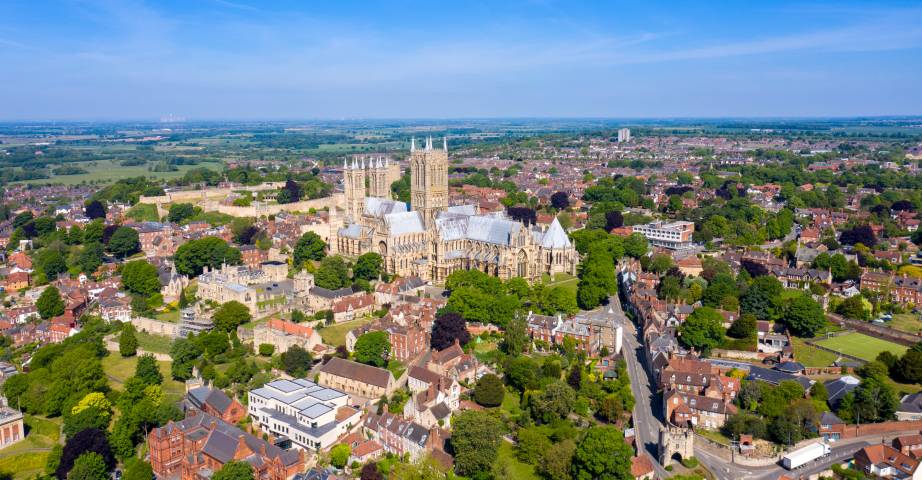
x=429, y=180
x=378, y=185
x=354, y=188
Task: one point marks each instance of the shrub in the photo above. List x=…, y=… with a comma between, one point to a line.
x=266, y=349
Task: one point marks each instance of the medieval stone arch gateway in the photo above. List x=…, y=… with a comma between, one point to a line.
x=675, y=442
x=431, y=239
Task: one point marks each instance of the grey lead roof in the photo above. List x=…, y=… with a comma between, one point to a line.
x=379, y=207
x=555, y=237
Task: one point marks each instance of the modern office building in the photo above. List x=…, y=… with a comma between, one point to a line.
x=310, y=416
x=671, y=235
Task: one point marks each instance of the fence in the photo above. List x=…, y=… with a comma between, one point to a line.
x=845, y=355
x=886, y=333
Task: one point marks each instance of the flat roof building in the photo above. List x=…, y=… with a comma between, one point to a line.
x=310, y=416
x=671, y=235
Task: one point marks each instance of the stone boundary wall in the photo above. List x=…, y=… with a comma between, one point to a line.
x=852, y=431
x=155, y=327
x=739, y=354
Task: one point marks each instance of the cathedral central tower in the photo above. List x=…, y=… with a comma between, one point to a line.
x=429, y=180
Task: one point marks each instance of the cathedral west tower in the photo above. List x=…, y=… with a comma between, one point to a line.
x=429, y=180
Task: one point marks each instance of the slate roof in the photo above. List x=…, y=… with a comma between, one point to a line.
x=217, y=399
x=839, y=387
x=911, y=403
x=775, y=377
x=357, y=371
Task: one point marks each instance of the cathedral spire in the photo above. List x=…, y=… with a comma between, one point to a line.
x=345, y=166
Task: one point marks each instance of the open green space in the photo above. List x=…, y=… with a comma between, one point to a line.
x=335, y=335
x=512, y=467
x=109, y=171
x=172, y=316
x=28, y=457
x=154, y=343
x=119, y=369
x=713, y=435
x=562, y=280
x=906, y=322
x=862, y=346
x=811, y=356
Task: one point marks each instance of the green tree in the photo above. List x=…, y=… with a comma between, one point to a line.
x=309, y=247
x=475, y=440
x=368, y=266
x=90, y=258
x=148, y=370
x=180, y=212
x=373, y=348
x=763, y=298
x=555, y=463
x=184, y=353
x=234, y=470
x=804, y=316
x=191, y=257
x=515, y=338
x=50, y=262
x=602, y=455
x=339, y=455
x=49, y=303
x=137, y=469
x=489, y=391
x=89, y=466
x=554, y=403
x=702, y=330
x=855, y=307
x=296, y=361
x=333, y=273
x=128, y=341
x=124, y=242
x=532, y=444
x=141, y=278
x=231, y=315
x=743, y=327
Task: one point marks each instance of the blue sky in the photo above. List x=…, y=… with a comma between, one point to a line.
x=248, y=59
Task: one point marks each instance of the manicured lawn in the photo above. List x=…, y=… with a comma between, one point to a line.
x=119, y=369
x=563, y=280
x=335, y=334
x=28, y=457
x=513, y=467
x=906, y=322
x=172, y=317
x=861, y=346
x=154, y=343
x=511, y=403
x=24, y=465
x=110, y=171
x=811, y=356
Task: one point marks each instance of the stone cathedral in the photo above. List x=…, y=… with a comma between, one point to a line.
x=431, y=239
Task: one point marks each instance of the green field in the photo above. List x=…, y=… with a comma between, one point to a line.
x=28, y=457
x=507, y=466
x=906, y=322
x=154, y=343
x=811, y=356
x=861, y=346
x=109, y=171
x=562, y=280
x=119, y=369
x=335, y=334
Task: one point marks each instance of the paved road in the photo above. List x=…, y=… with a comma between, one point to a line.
x=646, y=424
